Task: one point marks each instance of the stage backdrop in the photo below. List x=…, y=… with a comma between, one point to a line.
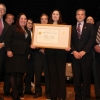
x=34, y=8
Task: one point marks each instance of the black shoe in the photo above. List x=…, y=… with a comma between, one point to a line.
x=21, y=95
x=54, y=98
x=17, y=99
x=29, y=93
x=7, y=94
x=1, y=98
x=97, y=97
x=36, y=95
x=47, y=95
x=61, y=99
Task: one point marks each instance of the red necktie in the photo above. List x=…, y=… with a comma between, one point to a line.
x=79, y=30
x=1, y=27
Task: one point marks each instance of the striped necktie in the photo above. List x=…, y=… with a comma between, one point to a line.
x=79, y=30
x=1, y=27
x=98, y=36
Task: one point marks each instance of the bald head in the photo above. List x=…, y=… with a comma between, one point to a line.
x=90, y=20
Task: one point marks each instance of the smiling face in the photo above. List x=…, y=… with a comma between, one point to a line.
x=55, y=16
x=44, y=19
x=2, y=10
x=9, y=19
x=90, y=20
x=22, y=20
x=80, y=15
x=29, y=24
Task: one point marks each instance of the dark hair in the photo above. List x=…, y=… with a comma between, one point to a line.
x=44, y=14
x=18, y=27
x=30, y=20
x=81, y=10
x=9, y=15
x=60, y=17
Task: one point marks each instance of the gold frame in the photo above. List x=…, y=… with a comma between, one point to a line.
x=66, y=36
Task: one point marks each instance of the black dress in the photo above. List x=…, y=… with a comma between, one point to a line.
x=20, y=47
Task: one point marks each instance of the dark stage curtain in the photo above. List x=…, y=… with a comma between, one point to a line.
x=34, y=8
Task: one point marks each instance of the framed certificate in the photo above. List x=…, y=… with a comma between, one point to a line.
x=51, y=36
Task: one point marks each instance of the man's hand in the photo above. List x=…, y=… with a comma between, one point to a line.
x=82, y=53
x=76, y=55
x=9, y=53
x=97, y=48
x=1, y=45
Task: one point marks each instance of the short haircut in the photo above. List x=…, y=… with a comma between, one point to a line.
x=9, y=15
x=30, y=20
x=81, y=10
x=44, y=14
x=3, y=6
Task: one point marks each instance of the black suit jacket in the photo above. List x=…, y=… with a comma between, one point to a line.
x=16, y=42
x=86, y=42
x=96, y=27
x=3, y=36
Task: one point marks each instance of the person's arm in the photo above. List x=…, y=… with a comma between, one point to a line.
x=91, y=40
x=8, y=40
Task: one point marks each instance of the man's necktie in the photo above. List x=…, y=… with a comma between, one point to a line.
x=1, y=27
x=79, y=30
x=98, y=36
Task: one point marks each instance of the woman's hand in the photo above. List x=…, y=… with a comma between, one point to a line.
x=68, y=49
x=9, y=53
x=42, y=50
x=32, y=46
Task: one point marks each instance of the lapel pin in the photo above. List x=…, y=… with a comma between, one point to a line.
x=85, y=27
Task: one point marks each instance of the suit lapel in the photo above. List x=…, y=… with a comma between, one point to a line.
x=83, y=30
x=5, y=28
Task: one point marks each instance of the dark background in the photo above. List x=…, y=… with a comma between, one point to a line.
x=34, y=8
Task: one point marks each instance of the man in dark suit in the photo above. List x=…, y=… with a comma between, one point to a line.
x=90, y=19
x=83, y=38
x=3, y=28
x=30, y=69
x=97, y=56
x=9, y=19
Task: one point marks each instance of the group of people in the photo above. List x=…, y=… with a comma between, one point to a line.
x=21, y=57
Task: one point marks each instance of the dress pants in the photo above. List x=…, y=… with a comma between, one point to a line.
x=1, y=62
x=82, y=78
x=30, y=73
x=95, y=76
x=57, y=64
x=98, y=73
x=40, y=65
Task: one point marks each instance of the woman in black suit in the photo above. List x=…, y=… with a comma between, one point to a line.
x=56, y=59
x=17, y=43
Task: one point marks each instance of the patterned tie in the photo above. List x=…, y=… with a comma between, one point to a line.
x=79, y=30
x=98, y=36
x=1, y=27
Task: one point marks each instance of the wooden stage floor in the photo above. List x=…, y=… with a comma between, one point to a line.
x=69, y=93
